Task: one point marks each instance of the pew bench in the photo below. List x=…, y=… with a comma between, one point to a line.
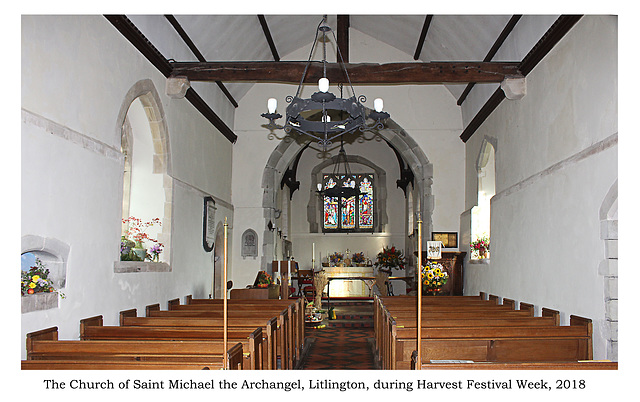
x=91, y=329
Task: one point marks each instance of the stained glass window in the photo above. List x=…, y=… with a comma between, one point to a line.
x=349, y=213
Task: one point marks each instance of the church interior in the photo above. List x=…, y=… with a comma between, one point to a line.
x=260, y=163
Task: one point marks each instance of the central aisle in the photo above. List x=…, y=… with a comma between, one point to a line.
x=344, y=343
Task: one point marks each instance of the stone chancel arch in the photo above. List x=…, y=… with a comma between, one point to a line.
x=287, y=150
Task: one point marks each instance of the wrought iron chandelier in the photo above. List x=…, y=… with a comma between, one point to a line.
x=340, y=190
x=313, y=117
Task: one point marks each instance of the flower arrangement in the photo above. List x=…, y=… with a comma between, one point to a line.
x=390, y=258
x=134, y=237
x=264, y=279
x=358, y=258
x=480, y=246
x=434, y=277
x=336, y=258
x=36, y=280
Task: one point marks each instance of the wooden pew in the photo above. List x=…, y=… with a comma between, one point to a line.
x=92, y=329
x=559, y=365
x=296, y=314
x=41, y=346
x=250, y=308
x=283, y=339
x=115, y=365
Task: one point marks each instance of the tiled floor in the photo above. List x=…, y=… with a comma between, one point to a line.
x=344, y=343
x=340, y=348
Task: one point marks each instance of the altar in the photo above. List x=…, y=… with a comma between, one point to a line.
x=349, y=287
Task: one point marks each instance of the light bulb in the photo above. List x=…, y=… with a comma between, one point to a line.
x=323, y=84
x=319, y=187
x=326, y=119
x=272, y=105
x=378, y=105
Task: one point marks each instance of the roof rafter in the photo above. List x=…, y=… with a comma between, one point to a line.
x=423, y=36
x=151, y=53
x=554, y=34
x=192, y=46
x=267, y=34
x=492, y=52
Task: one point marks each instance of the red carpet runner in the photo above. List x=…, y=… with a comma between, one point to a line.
x=338, y=348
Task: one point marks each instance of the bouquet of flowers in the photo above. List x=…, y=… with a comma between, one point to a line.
x=434, y=276
x=336, y=258
x=480, y=246
x=264, y=279
x=390, y=258
x=358, y=258
x=36, y=280
x=134, y=237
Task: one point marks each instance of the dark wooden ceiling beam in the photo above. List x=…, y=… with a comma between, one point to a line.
x=364, y=73
x=554, y=34
x=423, y=36
x=192, y=46
x=267, y=34
x=142, y=44
x=492, y=52
x=343, y=37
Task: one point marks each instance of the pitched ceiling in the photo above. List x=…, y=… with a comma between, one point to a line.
x=426, y=39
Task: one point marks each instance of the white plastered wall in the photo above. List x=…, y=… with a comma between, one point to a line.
x=73, y=91
x=556, y=159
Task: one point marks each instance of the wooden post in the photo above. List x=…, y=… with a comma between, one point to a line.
x=224, y=302
x=419, y=267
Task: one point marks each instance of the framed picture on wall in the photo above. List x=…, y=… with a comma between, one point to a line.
x=209, y=224
x=448, y=239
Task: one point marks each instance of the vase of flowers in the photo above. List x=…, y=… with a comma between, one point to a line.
x=358, y=259
x=336, y=259
x=389, y=259
x=434, y=277
x=36, y=280
x=480, y=247
x=133, y=241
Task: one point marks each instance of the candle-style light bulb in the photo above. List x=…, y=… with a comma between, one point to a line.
x=326, y=119
x=319, y=186
x=323, y=84
x=272, y=105
x=378, y=105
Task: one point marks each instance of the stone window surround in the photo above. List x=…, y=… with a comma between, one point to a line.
x=145, y=91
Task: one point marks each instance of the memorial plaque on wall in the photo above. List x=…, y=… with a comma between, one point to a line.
x=209, y=224
x=249, y=243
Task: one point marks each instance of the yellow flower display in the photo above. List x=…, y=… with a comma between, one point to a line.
x=35, y=278
x=32, y=285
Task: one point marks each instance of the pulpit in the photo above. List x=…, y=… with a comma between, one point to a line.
x=452, y=262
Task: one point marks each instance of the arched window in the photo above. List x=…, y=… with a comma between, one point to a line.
x=147, y=182
x=349, y=214
x=481, y=213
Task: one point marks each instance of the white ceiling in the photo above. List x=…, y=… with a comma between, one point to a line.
x=241, y=38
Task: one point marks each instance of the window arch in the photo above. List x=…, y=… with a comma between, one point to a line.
x=481, y=213
x=147, y=184
x=352, y=214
